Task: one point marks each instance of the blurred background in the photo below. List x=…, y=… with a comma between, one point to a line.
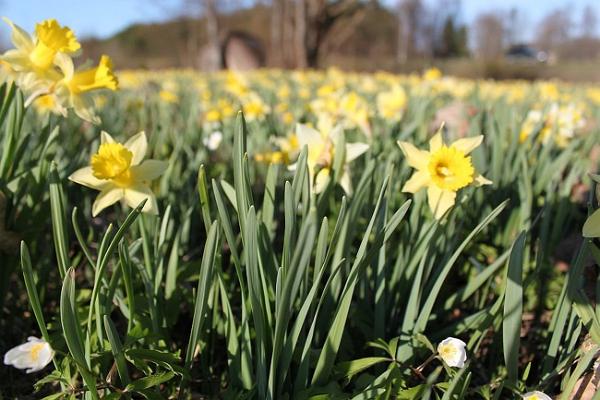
x=533, y=39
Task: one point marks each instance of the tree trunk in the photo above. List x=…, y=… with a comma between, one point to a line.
x=212, y=32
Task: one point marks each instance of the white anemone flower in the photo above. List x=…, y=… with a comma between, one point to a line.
x=452, y=351
x=213, y=141
x=536, y=395
x=32, y=356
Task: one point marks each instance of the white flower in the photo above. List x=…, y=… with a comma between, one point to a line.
x=536, y=395
x=33, y=355
x=213, y=141
x=453, y=352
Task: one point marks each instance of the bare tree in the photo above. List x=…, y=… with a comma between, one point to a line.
x=213, y=53
x=554, y=30
x=489, y=36
x=589, y=22
x=410, y=17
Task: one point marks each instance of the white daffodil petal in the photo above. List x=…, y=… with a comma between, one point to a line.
x=307, y=136
x=480, y=180
x=65, y=63
x=591, y=228
x=84, y=108
x=149, y=170
x=85, y=177
x=440, y=200
x=106, y=198
x=346, y=182
x=436, y=142
x=417, y=181
x=321, y=180
x=138, y=145
x=467, y=145
x=414, y=157
x=136, y=194
x=355, y=150
x=19, y=37
x=106, y=138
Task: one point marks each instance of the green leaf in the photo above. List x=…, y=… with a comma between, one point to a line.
x=148, y=382
x=513, y=309
x=350, y=368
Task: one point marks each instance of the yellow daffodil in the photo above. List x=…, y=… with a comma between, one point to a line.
x=288, y=149
x=120, y=172
x=75, y=87
x=452, y=352
x=391, y=104
x=443, y=170
x=320, y=156
x=33, y=57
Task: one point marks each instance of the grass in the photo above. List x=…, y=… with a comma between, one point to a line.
x=249, y=284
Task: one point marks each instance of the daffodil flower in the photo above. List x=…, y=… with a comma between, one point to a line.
x=74, y=89
x=452, y=352
x=32, y=356
x=443, y=170
x=33, y=57
x=536, y=395
x=320, y=156
x=119, y=172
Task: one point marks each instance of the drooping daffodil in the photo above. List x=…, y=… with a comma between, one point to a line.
x=120, y=172
x=452, y=352
x=33, y=355
x=536, y=395
x=74, y=89
x=443, y=170
x=321, y=147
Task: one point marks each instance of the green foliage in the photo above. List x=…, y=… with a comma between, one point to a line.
x=250, y=285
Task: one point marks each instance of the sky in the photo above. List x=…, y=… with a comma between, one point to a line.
x=103, y=18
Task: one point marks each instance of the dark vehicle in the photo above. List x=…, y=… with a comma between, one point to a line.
x=524, y=52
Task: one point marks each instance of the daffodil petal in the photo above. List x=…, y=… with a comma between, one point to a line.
x=416, y=158
x=436, y=142
x=85, y=177
x=591, y=228
x=467, y=145
x=355, y=150
x=321, y=180
x=65, y=63
x=136, y=194
x=106, y=138
x=307, y=136
x=480, y=180
x=149, y=170
x=440, y=200
x=19, y=37
x=417, y=181
x=106, y=198
x=346, y=182
x=84, y=108
x=138, y=145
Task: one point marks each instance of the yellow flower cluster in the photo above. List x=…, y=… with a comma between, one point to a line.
x=42, y=66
